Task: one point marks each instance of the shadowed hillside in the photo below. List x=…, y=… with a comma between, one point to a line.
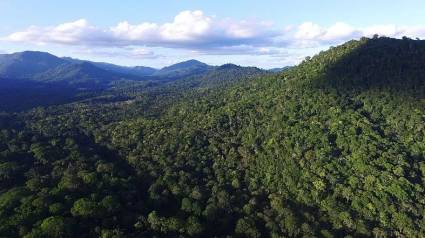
x=381, y=63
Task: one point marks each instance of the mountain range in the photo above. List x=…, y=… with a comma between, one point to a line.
x=45, y=67
x=28, y=78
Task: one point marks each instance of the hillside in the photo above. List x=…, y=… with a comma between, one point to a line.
x=333, y=147
x=81, y=74
x=25, y=64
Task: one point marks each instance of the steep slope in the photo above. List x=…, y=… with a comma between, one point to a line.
x=337, y=142
x=26, y=64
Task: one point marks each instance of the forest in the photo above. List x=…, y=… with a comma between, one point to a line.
x=332, y=147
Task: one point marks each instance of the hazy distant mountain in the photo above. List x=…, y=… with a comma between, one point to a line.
x=182, y=69
x=139, y=71
x=47, y=68
x=277, y=70
x=26, y=64
x=143, y=70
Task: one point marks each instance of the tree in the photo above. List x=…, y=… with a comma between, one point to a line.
x=53, y=227
x=84, y=207
x=246, y=227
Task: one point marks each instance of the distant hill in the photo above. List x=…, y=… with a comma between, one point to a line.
x=26, y=64
x=34, y=65
x=278, y=70
x=183, y=69
x=45, y=67
x=41, y=66
x=139, y=71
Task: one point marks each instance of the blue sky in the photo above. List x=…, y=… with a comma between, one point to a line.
x=268, y=33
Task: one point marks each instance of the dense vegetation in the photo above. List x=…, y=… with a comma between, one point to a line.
x=331, y=148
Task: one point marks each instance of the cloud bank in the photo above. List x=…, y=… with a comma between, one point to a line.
x=190, y=29
x=203, y=34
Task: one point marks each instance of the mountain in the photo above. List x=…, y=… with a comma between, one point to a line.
x=26, y=64
x=47, y=68
x=139, y=71
x=34, y=65
x=183, y=69
x=334, y=147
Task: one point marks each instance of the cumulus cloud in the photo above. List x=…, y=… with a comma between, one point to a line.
x=309, y=31
x=341, y=31
x=203, y=34
x=189, y=29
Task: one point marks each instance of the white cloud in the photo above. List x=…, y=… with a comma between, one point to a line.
x=392, y=30
x=202, y=34
x=309, y=31
x=141, y=53
x=386, y=30
x=189, y=29
x=242, y=50
x=338, y=31
x=187, y=26
x=309, y=34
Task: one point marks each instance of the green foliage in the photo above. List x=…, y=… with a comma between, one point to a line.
x=53, y=226
x=85, y=208
x=333, y=147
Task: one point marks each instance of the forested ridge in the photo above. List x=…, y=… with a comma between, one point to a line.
x=333, y=147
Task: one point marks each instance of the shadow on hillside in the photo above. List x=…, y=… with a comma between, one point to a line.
x=18, y=95
x=377, y=64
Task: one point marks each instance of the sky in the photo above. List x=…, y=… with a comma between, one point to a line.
x=266, y=34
